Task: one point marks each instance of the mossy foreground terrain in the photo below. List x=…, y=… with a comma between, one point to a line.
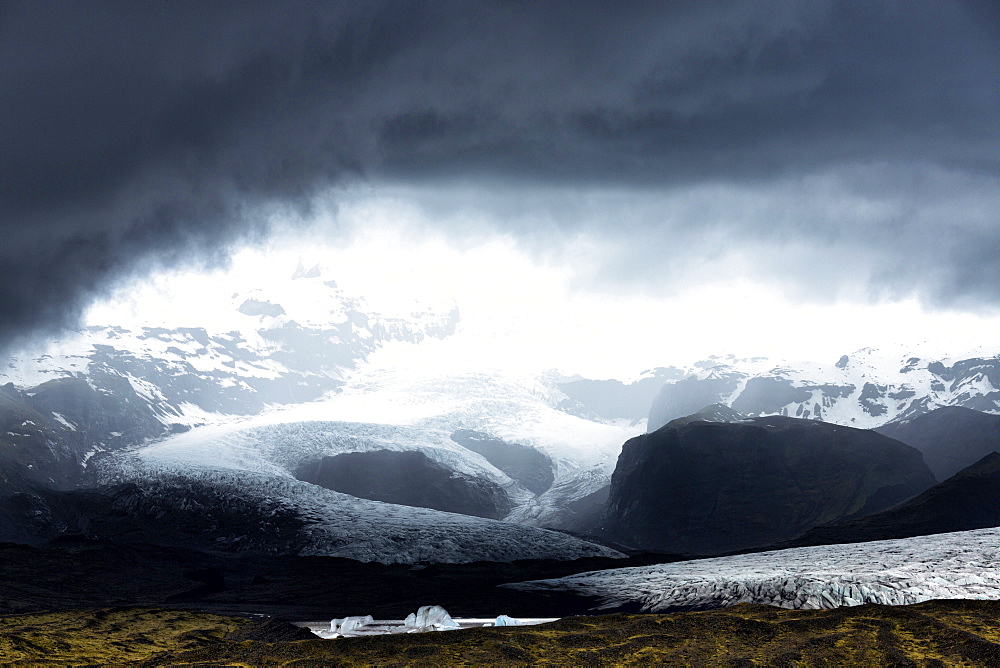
x=109, y=635
x=931, y=633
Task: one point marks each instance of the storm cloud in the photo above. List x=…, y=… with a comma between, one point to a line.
x=810, y=140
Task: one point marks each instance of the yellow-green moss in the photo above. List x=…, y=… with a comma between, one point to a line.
x=933, y=633
x=107, y=636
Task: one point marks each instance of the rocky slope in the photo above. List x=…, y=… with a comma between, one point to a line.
x=950, y=438
x=968, y=500
x=706, y=487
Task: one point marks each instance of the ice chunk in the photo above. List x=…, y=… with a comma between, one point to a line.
x=349, y=625
x=504, y=620
x=429, y=618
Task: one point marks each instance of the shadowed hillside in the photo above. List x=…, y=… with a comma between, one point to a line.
x=704, y=487
x=950, y=438
x=970, y=499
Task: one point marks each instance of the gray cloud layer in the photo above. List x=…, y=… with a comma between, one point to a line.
x=158, y=132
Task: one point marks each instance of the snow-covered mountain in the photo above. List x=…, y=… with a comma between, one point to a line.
x=343, y=417
x=288, y=344
x=110, y=387
x=865, y=389
x=304, y=385
x=893, y=572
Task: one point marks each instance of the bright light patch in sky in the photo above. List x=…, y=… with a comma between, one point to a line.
x=524, y=311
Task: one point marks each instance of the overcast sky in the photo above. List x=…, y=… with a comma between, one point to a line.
x=822, y=158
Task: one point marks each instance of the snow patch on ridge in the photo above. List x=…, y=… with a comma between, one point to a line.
x=63, y=421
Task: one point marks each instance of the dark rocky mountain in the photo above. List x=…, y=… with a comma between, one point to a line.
x=526, y=465
x=688, y=395
x=586, y=513
x=866, y=389
x=407, y=478
x=970, y=499
x=706, y=487
x=713, y=413
x=50, y=431
x=31, y=445
x=950, y=438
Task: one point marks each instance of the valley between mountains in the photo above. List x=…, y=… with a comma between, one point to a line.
x=301, y=465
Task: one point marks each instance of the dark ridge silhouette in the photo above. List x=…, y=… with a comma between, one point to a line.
x=950, y=438
x=713, y=487
x=968, y=500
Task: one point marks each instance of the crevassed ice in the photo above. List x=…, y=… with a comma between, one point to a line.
x=963, y=564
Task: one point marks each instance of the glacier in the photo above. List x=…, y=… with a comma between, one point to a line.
x=340, y=525
x=255, y=458
x=287, y=376
x=963, y=564
x=383, y=408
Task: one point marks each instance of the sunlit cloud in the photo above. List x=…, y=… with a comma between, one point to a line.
x=528, y=311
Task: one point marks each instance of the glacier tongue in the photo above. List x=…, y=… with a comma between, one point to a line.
x=963, y=564
x=392, y=409
x=340, y=525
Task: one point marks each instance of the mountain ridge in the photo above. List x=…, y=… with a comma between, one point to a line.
x=866, y=389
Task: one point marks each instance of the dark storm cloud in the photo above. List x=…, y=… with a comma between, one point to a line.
x=160, y=132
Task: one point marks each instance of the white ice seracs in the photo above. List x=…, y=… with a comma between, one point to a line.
x=964, y=564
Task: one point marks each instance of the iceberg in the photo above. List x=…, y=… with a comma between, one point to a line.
x=429, y=618
x=349, y=625
x=504, y=620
